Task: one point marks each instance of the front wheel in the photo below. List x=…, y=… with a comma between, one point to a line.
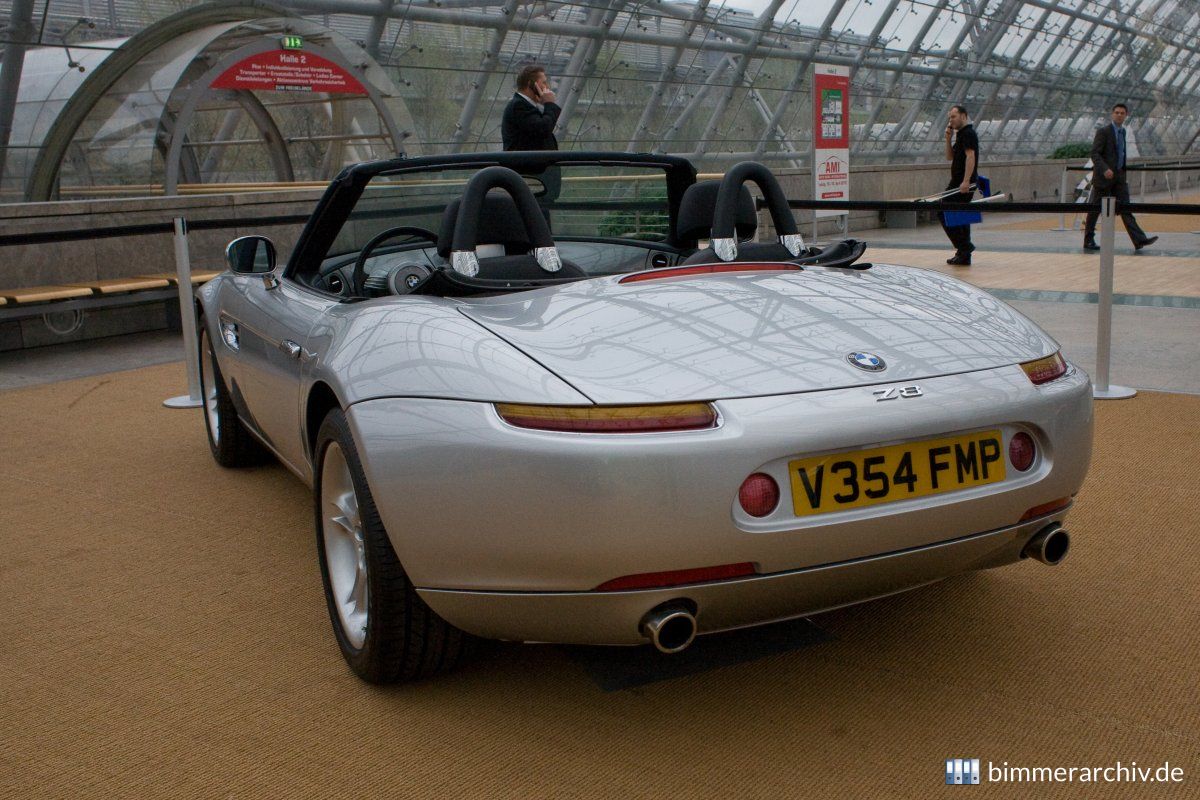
x=231, y=444
x=386, y=632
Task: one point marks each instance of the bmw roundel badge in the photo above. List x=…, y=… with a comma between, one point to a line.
x=867, y=361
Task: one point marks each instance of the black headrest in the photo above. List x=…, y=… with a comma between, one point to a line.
x=499, y=223
x=700, y=202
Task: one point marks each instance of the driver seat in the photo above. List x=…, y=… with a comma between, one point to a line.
x=499, y=224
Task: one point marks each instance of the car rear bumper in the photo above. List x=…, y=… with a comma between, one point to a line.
x=475, y=505
x=615, y=617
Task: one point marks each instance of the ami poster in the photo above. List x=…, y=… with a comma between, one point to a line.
x=831, y=135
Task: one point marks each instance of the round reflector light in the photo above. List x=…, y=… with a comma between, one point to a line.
x=1021, y=451
x=759, y=495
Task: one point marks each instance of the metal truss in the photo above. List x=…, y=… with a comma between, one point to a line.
x=666, y=75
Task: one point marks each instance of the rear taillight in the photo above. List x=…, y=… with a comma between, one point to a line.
x=759, y=495
x=1021, y=451
x=1045, y=369
x=610, y=419
x=676, y=577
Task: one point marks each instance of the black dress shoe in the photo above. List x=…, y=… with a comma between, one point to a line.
x=1145, y=243
x=1090, y=244
x=959, y=261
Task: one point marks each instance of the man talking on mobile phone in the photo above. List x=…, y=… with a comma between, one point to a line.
x=962, y=151
x=529, y=120
x=531, y=115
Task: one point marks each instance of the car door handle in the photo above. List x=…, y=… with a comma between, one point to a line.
x=290, y=347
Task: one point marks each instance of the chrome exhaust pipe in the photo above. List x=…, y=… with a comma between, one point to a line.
x=1049, y=545
x=671, y=627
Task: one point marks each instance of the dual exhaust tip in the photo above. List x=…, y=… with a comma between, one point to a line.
x=671, y=627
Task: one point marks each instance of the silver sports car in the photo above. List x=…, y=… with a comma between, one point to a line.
x=584, y=397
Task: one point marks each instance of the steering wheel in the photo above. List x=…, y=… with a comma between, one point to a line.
x=359, y=276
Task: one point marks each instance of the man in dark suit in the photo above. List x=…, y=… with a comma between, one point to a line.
x=1108, y=179
x=531, y=115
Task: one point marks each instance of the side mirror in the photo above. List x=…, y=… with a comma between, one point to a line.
x=251, y=255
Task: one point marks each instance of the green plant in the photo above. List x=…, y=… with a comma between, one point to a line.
x=638, y=224
x=1072, y=150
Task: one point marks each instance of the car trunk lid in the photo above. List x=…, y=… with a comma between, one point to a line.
x=755, y=333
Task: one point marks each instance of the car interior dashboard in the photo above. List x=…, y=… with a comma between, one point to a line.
x=394, y=268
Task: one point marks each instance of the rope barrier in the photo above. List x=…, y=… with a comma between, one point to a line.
x=74, y=234
x=1180, y=167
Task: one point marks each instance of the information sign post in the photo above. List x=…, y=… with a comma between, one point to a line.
x=830, y=138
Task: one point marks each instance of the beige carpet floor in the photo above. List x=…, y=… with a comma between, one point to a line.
x=165, y=635
x=1133, y=273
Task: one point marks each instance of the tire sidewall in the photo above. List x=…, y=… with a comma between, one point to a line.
x=217, y=379
x=363, y=660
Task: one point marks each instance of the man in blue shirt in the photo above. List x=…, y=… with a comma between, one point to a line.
x=1108, y=179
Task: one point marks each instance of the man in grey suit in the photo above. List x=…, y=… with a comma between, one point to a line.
x=1108, y=179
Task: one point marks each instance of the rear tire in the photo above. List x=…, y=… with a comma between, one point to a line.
x=231, y=443
x=386, y=632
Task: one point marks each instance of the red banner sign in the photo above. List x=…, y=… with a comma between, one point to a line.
x=289, y=71
x=831, y=135
x=831, y=110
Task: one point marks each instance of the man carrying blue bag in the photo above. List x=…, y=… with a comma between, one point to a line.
x=962, y=151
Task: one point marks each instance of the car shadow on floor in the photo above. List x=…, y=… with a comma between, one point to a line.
x=618, y=668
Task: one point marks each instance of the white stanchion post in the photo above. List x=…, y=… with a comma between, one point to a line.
x=1143, y=193
x=187, y=319
x=1101, y=390
x=1062, y=198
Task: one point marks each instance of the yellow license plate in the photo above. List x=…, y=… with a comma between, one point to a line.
x=842, y=481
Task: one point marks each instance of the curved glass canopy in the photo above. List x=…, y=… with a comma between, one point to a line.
x=705, y=79
x=165, y=121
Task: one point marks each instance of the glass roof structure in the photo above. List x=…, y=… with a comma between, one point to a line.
x=715, y=80
x=145, y=114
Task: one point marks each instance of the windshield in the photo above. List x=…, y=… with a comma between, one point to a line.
x=580, y=202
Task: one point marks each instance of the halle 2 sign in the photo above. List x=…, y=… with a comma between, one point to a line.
x=288, y=71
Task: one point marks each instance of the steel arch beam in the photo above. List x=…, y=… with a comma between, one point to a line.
x=20, y=31
x=764, y=22
x=584, y=57
x=984, y=46
x=905, y=60
x=686, y=115
x=906, y=125
x=200, y=88
x=668, y=70
x=212, y=159
x=773, y=123
x=54, y=147
x=462, y=128
x=378, y=26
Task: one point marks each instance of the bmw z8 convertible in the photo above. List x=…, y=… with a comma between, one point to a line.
x=589, y=398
